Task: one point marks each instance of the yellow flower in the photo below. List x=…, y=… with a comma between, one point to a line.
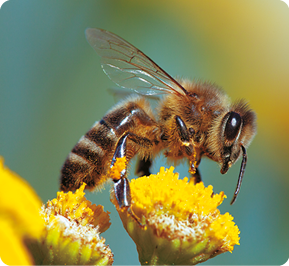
x=71, y=235
x=174, y=221
x=66, y=231
x=19, y=217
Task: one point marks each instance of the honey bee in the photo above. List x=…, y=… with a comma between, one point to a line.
x=192, y=120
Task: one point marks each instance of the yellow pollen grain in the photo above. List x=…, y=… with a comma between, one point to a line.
x=176, y=197
x=117, y=168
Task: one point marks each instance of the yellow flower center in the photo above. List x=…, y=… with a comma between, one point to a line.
x=76, y=207
x=165, y=193
x=73, y=226
x=184, y=208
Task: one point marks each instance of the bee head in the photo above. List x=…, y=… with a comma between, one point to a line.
x=230, y=134
x=237, y=129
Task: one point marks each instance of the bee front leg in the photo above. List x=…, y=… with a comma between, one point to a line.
x=187, y=146
x=185, y=137
x=183, y=131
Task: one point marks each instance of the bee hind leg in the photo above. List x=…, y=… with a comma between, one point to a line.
x=121, y=183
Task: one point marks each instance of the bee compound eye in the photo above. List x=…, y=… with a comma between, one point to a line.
x=232, y=126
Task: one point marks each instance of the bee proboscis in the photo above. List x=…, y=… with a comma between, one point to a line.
x=193, y=119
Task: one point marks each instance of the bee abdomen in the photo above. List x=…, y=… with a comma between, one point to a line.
x=87, y=162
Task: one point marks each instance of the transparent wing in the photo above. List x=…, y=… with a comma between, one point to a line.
x=121, y=93
x=128, y=67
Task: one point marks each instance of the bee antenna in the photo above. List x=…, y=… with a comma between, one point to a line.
x=241, y=174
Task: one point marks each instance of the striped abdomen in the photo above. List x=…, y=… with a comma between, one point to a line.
x=87, y=161
x=90, y=158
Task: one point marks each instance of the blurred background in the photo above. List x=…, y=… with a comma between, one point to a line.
x=52, y=89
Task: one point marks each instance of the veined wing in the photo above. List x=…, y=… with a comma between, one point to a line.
x=130, y=68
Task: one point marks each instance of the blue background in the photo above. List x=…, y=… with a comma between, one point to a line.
x=52, y=89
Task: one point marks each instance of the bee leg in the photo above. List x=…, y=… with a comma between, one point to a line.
x=185, y=134
x=185, y=137
x=183, y=131
x=196, y=177
x=121, y=185
x=143, y=167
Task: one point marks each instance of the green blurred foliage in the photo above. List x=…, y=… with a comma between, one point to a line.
x=52, y=89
